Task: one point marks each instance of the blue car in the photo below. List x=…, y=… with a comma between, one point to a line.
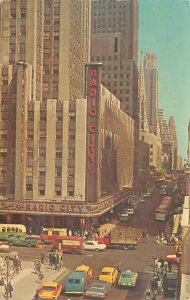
x=99, y=289
x=77, y=283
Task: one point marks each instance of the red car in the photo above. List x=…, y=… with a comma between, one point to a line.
x=173, y=258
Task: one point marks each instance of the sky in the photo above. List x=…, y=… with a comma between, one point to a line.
x=164, y=29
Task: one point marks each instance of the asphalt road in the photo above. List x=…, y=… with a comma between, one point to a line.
x=139, y=260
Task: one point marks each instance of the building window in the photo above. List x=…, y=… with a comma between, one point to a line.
x=29, y=187
x=41, y=191
x=116, y=45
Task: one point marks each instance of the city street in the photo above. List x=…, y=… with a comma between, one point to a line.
x=139, y=260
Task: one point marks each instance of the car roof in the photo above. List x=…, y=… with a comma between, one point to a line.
x=108, y=269
x=82, y=268
x=128, y=272
x=54, y=284
x=77, y=275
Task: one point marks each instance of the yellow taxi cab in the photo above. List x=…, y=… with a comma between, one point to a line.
x=109, y=274
x=50, y=290
x=86, y=269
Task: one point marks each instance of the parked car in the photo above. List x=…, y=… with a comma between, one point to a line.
x=127, y=278
x=94, y=245
x=163, y=192
x=22, y=242
x=76, y=283
x=130, y=211
x=146, y=195
x=109, y=274
x=99, y=289
x=141, y=199
x=86, y=269
x=124, y=217
x=49, y=290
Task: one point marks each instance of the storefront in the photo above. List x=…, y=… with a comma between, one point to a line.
x=38, y=214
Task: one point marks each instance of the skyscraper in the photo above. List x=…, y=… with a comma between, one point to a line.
x=151, y=88
x=115, y=44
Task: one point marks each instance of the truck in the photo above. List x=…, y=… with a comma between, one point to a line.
x=70, y=244
x=119, y=236
x=170, y=284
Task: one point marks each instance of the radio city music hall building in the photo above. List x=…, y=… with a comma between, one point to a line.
x=65, y=157
x=97, y=134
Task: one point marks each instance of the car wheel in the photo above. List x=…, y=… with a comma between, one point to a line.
x=29, y=245
x=96, y=249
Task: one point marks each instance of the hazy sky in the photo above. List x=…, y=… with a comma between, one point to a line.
x=164, y=28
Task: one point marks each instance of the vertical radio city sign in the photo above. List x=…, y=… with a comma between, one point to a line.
x=93, y=81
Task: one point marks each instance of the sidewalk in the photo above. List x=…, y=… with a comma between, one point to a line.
x=25, y=283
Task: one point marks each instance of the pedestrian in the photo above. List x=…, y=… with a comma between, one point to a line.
x=119, y=267
x=37, y=266
x=19, y=262
x=40, y=277
x=169, y=266
x=30, y=231
x=153, y=284
x=157, y=239
x=42, y=256
x=9, y=289
x=50, y=258
x=161, y=260
x=2, y=286
x=165, y=266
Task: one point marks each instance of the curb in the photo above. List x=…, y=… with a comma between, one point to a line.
x=67, y=270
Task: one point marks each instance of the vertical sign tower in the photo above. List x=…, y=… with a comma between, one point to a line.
x=93, y=85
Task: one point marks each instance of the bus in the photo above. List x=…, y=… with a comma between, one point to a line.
x=50, y=235
x=12, y=230
x=162, y=211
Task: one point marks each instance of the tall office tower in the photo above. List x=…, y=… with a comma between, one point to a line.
x=21, y=36
x=65, y=48
x=143, y=121
x=115, y=44
x=151, y=88
x=172, y=129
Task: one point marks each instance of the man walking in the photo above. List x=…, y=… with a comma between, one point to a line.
x=9, y=289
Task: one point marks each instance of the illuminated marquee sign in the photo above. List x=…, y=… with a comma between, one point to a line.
x=93, y=119
x=60, y=208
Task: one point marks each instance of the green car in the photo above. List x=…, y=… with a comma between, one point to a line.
x=127, y=278
x=22, y=242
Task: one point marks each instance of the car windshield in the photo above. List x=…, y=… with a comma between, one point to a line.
x=127, y=276
x=49, y=288
x=107, y=273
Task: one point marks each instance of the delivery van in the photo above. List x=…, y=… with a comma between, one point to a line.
x=77, y=283
x=70, y=244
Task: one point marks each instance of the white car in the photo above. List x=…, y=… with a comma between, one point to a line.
x=141, y=199
x=163, y=192
x=130, y=211
x=146, y=195
x=94, y=245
